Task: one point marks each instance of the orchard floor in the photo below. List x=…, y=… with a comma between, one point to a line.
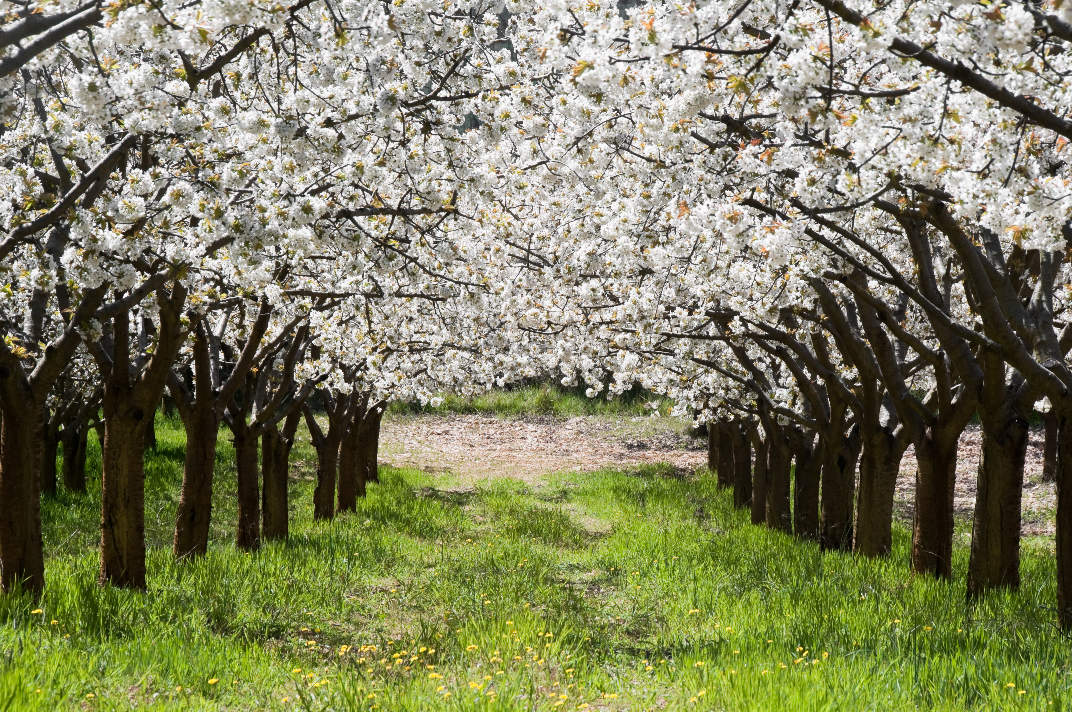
x=615, y=588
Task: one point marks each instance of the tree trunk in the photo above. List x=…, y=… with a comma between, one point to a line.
x=123, y=495
x=327, y=467
x=248, y=533
x=50, y=441
x=995, y=547
x=1049, y=446
x=880, y=462
x=725, y=454
x=742, y=466
x=275, y=456
x=932, y=528
x=838, y=487
x=759, y=477
x=351, y=477
x=150, y=431
x=712, y=446
x=21, y=555
x=806, y=487
x=73, y=438
x=371, y=451
x=195, y=500
x=779, y=515
x=1064, y=520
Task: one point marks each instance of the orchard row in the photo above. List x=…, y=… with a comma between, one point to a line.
x=831, y=232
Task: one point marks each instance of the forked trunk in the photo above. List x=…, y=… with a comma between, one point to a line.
x=995, y=547
x=21, y=557
x=932, y=527
x=195, y=500
x=123, y=495
x=248, y=532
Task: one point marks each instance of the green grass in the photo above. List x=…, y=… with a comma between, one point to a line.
x=541, y=400
x=615, y=590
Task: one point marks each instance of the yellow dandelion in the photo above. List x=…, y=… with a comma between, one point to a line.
x=213, y=680
x=36, y=611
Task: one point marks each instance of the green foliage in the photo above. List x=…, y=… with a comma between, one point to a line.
x=546, y=399
x=615, y=590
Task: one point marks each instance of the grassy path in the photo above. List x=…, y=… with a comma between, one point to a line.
x=609, y=589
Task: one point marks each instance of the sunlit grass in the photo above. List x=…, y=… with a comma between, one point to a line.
x=542, y=400
x=607, y=590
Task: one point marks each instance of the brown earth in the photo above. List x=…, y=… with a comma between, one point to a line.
x=472, y=448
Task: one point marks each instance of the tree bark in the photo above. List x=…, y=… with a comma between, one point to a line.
x=806, y=487
x=1049, y=446
x=73, y=437
x=274, y=521
x=742, y=466
x=195, y=499
x=150, y=431
x=725, y=471
x=779, y=515
x=759, y=477
x=932, y=528
x=21, y=554
x=371, y=447
x=123, y=494
x=838, y=487
x=712, y=446
x=50, y=441
x=1064, y=520
x=351, y=477
x=880, y=462
x=248, y=533
x=995, y=547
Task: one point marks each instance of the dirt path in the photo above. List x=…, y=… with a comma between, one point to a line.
x=478, y=447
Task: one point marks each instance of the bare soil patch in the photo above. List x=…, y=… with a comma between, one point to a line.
x=473, y=448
